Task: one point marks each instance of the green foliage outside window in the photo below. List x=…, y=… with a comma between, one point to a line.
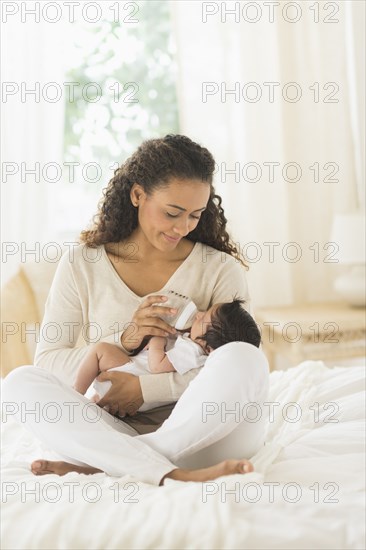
x=133, y=64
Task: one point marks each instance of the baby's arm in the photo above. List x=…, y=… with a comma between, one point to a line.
x=101, y=357
x=158, y=361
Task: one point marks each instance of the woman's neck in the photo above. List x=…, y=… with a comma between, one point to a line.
x=146, y=252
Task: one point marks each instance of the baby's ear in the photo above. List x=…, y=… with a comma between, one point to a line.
x=208, y=349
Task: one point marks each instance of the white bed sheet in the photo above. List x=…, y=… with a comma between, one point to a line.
x=318, y=462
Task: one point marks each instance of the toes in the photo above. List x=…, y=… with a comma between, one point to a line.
x=246, y=466
x=39, y=467
x=237, y=466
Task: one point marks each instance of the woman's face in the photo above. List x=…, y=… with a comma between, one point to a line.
x=170, y=213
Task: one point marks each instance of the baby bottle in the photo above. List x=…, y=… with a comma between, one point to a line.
x=186, y=309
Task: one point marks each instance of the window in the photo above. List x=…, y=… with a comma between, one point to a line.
x=125, y=92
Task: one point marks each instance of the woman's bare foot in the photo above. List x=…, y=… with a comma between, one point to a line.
x=225, y=468
x=43, y=467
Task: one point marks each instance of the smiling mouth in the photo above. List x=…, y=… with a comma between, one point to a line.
x=175, y=239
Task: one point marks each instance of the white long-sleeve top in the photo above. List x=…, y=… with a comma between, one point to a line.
x=88, y=296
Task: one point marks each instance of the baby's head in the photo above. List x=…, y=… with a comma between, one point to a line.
x=224, y=323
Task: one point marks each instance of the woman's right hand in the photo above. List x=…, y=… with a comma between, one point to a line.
x=146, y=321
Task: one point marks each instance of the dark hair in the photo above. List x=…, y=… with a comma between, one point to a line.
x=232, y=323
x=154, y=163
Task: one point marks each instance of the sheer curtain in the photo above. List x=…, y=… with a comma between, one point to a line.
x=32, y=133
x=311, y=138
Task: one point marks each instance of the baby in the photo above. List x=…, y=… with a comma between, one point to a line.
x=219, y=325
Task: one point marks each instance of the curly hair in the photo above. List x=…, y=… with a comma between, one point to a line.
x=153, y=165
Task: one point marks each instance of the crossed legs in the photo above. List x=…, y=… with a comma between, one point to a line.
x=92, y=440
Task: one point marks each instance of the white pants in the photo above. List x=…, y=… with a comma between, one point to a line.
x=219, y=416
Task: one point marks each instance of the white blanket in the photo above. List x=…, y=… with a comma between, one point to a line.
x=307, y=490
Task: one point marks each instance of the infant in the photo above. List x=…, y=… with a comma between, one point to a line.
x=220, y=324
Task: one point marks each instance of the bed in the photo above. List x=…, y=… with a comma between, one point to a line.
x=307, y=490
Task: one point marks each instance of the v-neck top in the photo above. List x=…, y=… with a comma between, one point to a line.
x=88, y=302
x=168, y=284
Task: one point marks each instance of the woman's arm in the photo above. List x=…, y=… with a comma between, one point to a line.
x=61, y=326
x=231, y=281
x=167, y=388
x=65, y=317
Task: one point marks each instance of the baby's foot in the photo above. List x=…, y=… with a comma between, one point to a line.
x=60, y=468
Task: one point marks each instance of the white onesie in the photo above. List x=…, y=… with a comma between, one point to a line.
x=183, y=353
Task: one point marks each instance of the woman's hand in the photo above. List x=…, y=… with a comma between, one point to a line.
x=125, y=395
x=146, y=322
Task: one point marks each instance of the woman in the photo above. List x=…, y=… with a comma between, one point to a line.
x=160, y=226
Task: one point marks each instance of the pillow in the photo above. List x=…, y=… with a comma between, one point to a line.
x=18, y=309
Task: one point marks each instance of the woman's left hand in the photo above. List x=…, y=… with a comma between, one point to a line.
x=125, y=395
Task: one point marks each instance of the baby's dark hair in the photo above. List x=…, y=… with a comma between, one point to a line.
x=232, y=323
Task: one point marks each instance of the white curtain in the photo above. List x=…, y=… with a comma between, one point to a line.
x=321, y=135
x=32, y=133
